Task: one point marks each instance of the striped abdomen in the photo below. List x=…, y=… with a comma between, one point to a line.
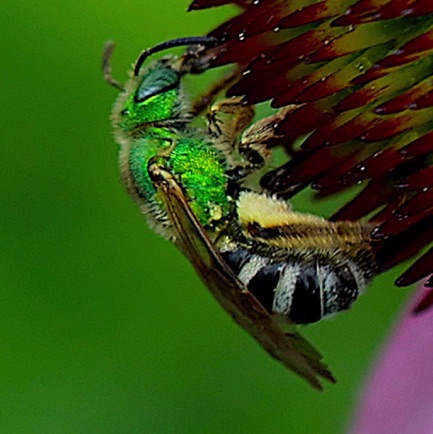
x=304, y=285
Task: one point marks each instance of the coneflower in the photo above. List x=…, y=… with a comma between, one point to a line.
x=358, y=78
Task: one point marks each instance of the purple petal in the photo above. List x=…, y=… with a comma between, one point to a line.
x=398, y=398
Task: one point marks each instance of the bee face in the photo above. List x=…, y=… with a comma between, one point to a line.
x=150, y=97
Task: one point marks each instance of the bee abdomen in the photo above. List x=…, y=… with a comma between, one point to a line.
x=305, y=287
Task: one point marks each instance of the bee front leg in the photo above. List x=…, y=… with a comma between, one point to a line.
x=226, y=121
x=256, y=140
x=228, y=118
x=247, y=149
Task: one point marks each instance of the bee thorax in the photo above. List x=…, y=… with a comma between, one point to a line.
x=304, y=286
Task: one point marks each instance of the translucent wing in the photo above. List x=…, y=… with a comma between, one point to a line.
x=289, y=348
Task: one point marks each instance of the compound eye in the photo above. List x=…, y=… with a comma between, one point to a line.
x=157, y=81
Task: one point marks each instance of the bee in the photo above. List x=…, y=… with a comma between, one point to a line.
x=269, y=266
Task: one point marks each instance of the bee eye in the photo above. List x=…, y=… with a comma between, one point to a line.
x=124, y=112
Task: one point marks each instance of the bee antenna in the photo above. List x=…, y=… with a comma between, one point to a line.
x=179, y=42
x=106, y=66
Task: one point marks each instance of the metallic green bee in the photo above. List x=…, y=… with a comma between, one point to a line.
x=267, y=265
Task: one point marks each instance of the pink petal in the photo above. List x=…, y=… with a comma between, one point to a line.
x=398, y=398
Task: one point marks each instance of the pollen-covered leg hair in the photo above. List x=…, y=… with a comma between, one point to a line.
x=256, y=139
x=236, y=116
x=226, y=121
x=273, y=222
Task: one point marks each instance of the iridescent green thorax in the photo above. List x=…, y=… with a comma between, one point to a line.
x=198, y=167
x=201, y=171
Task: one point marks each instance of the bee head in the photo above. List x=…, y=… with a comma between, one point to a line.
x=150, y=96
x=153, y=92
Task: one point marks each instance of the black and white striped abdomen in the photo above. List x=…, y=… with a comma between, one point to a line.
x=305, y=286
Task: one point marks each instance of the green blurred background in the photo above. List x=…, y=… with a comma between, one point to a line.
x=104, y=327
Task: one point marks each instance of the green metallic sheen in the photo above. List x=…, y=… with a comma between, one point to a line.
x=151, y=124
x=141, y=152
x=199, y=168
x=155, y=108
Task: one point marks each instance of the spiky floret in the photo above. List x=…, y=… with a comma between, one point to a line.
x=359, y=74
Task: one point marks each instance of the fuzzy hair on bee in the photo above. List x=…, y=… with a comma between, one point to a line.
x=297, y=264
x=269, y=266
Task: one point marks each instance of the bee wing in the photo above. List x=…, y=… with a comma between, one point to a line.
x=289, y=348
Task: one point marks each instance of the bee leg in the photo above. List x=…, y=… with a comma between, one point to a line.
x=226, y=121
x=256, y=140
x=247, y=149
x=228, y=118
